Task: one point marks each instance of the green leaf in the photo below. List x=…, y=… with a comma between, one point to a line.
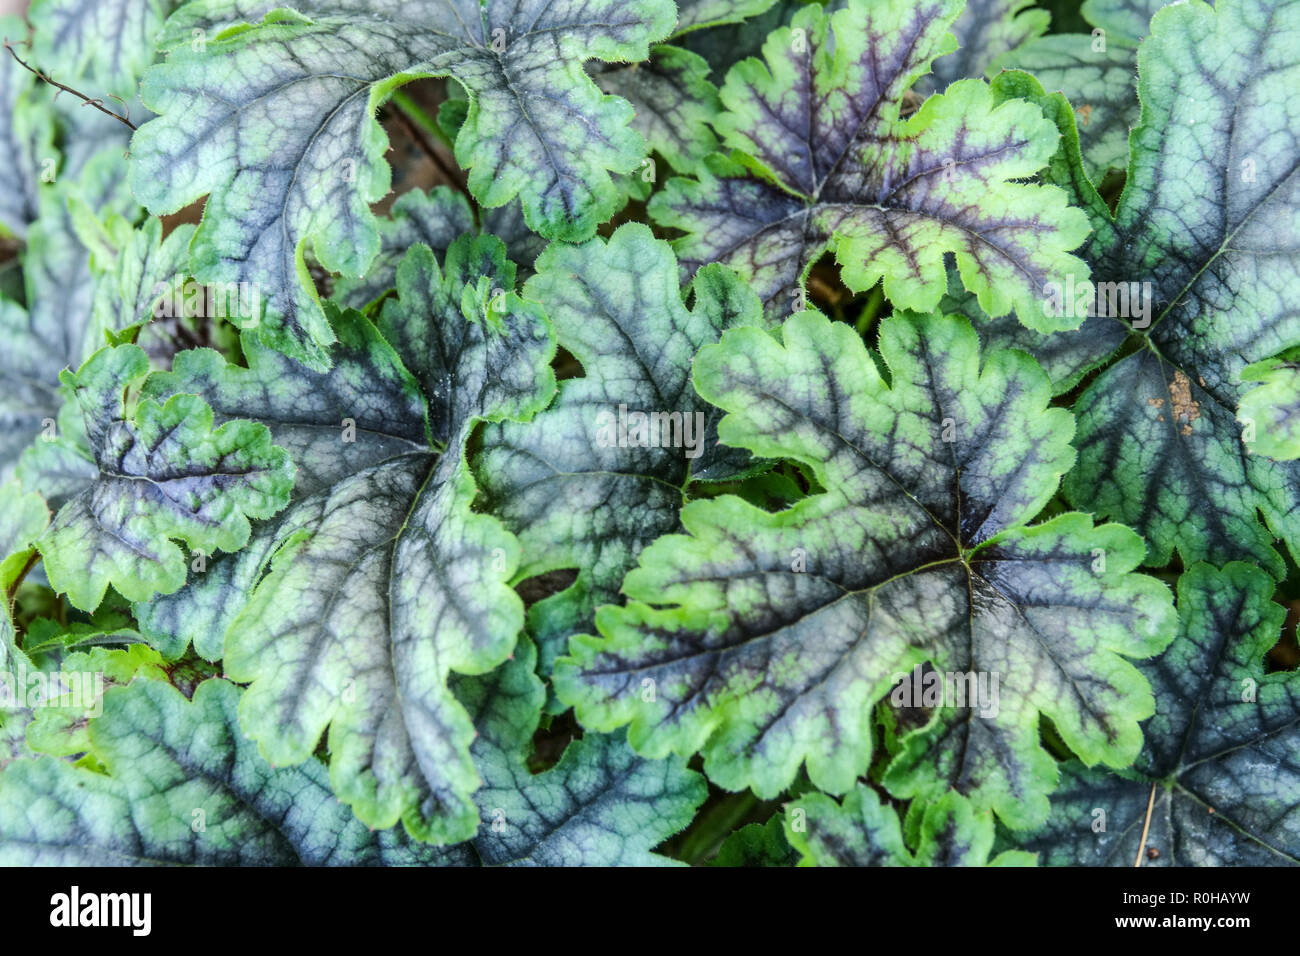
x=724, y=45
x=675, y=103
x=23, y=516
x=75, y=690
x=763, y=640
x=108, y=44
x=1206, y=236
x=699, y=14
x=829, y=164
x=307, y=413
x=60, y=465
x=25, y=139
x=1222, y=752
x=757, y=845
x=54, y=330
x=102, y=48
x=349, y=613
x=601, y=805
x=49, y=643
x=1096, y=72
x=1065, y=356
x=275, y=122
x=184, y=786
x=985, y=30
x=13, y=719
x=436, y=219
x=163, y=473
x=674, y=99
x=562, y=483
x=1272, y=409
x=862, y=831
x=139, y=275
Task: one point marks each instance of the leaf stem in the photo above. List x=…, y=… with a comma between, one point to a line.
x=418, y=115
x=870, y=309
x=13, y=585
x=416, y=124
x=714, y=825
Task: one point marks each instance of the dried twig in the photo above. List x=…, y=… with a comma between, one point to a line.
x=85, y=100
x=1146, y=826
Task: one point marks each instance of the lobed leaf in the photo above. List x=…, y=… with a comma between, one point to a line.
x=1270, y=412
x=1205, y=238
x=830, y=164
x=274, y=121
x=184, y=786
x=162, y=473
x=348, y=614
x=763, y=640
x=1066, y=357
x=55, y=327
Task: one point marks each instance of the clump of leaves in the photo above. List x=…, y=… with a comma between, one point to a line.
x=775, y=433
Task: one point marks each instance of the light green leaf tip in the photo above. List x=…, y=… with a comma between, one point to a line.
x=1270, y=412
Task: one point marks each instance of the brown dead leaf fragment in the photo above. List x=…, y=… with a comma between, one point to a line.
x=1156, y=402
x=1180, y=394
x=1085, y=114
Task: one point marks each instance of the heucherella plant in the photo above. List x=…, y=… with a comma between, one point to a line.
x=588, y=433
